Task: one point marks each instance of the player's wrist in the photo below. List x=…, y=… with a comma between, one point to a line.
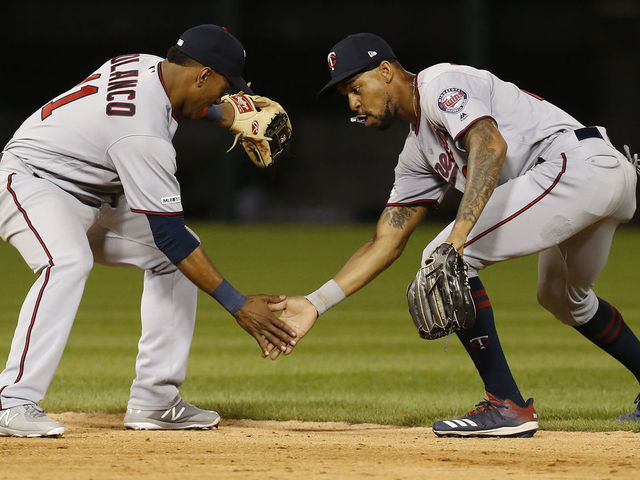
x=230, y=298
x=227, y=114
x=327, y=296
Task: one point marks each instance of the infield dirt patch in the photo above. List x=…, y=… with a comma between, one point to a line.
x=96, y=447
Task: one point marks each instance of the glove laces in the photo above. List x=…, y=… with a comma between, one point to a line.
x=242, y=136
x=633, y=159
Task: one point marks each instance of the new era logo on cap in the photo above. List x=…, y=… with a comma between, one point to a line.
x=372, y=53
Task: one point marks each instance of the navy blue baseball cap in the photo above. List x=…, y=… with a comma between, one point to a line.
x=215, y=47
x=355, y=54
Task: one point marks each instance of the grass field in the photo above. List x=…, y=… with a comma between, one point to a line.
x=364, y=361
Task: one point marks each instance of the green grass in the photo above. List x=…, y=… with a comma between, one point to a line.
x=364, y=361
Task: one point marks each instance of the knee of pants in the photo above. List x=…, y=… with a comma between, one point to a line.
x=556, y=302
x=76, y=265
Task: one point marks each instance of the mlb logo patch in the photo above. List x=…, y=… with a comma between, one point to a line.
x=452, y=100
x=170, y=200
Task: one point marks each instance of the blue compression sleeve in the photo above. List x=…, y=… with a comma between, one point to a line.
x=214, y=113
x=172, y=237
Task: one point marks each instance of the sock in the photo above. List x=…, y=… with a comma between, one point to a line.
x=608, y=331
x=483, y=346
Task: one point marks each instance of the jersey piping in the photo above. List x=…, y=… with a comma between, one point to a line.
x=526, y=207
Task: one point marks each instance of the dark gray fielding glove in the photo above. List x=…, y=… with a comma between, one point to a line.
x=440, y=300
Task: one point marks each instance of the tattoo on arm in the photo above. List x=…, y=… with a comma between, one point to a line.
x=485, y=164
x=397, y=216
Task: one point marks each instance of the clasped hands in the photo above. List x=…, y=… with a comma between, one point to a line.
x=276, y=335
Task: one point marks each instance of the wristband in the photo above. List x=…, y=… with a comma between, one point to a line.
x=214, y=113
x=230, y=298
x=326, y=296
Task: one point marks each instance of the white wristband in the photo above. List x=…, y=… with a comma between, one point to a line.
x=326, y=296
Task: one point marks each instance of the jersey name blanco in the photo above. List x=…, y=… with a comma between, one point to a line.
x=451, y=98
x=108, y=135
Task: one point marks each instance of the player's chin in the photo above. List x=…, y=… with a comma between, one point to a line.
x=383, y=124
x=377, y=122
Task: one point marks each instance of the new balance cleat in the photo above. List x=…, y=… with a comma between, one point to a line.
x=180, y=416
x=28, y=421
x=633, y=416
x=492, y=418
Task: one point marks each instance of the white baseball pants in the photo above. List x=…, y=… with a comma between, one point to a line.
x=60, y=238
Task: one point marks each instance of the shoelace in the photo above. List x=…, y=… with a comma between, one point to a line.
x=633, y=159
x=35, y=411
x=485, y=406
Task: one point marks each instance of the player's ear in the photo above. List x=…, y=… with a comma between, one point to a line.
x=385, y=70
x=203, y=74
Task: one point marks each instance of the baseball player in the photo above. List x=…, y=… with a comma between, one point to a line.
x=535, y=180
x=90, y=177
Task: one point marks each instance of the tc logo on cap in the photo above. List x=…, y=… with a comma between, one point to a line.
x=331, y=60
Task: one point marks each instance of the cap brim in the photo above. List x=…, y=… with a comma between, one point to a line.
x=342, y=76
x=240, y=84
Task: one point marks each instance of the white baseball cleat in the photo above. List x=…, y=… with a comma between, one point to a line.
x=180, y=415
x=28, y=421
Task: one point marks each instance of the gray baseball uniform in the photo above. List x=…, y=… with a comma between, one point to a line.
x=75, y=178
x=562, y=192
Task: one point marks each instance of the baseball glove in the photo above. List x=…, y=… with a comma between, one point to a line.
x=440, y=300
x=264, y=132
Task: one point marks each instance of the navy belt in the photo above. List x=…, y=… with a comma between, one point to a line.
x=588, y=132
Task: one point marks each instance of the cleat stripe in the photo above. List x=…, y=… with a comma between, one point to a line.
x=450, y=423
x=460, y=422
x=471, y=423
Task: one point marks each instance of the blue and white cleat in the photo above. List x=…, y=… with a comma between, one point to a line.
x=492, y=418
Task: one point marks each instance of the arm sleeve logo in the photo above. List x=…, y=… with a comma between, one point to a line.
x=452, y=100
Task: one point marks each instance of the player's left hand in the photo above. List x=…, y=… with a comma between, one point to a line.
x=457, y=241
x=261, y=125
x=300, y=314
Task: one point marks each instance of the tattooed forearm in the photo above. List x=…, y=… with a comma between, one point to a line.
x=397, y=216
x=486, y=154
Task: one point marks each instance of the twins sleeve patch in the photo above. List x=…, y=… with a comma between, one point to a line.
x=169, y=200
x=452, y=100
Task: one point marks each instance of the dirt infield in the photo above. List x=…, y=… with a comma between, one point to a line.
x=97, y=447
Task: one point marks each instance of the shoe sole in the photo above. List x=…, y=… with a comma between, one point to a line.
x=53, y=433
x=526, y=430
x=147, y=425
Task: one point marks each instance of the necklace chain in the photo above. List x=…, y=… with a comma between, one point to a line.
x=413, y=97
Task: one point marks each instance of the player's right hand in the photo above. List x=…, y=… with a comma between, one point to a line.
x=257, y=318
x=299, y=313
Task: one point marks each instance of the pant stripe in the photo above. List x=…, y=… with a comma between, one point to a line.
x=44, y=284
x=1, y=396
x=525, y=208
x=26, y=218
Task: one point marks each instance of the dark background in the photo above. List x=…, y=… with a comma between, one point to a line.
x=581, y=55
